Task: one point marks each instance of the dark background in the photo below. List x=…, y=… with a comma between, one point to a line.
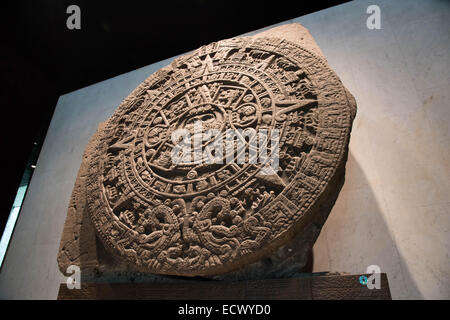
x=41, y=59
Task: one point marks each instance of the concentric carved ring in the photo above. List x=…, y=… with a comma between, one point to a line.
x=202, y=218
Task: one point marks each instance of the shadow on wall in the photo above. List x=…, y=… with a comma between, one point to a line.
x=356, y=236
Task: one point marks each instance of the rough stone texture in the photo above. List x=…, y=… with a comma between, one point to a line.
x=133, y=212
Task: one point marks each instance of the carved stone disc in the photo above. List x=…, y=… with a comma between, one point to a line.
x=204, y=219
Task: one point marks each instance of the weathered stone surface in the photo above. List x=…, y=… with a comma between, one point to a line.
x=133, y=210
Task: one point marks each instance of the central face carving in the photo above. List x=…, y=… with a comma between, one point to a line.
x=203, y=218
x=210, y=117
x=216, y=106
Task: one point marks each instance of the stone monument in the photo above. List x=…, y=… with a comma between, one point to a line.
x=138, y=210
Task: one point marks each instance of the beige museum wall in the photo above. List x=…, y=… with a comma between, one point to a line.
x=394, y=209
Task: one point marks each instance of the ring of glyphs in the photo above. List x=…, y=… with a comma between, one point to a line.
x=202, y=218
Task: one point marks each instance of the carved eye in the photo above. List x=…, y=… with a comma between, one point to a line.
x=205, y=117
